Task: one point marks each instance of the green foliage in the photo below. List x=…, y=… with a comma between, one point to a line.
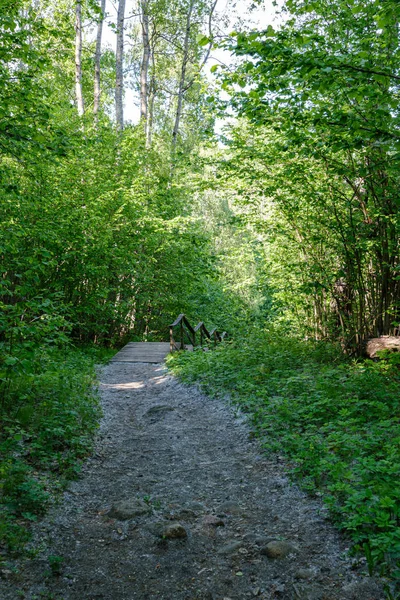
x=336, y=420
x=96, y=238
x=55, y=563
x=321, y=94
x=48, y=418
x=237, y=291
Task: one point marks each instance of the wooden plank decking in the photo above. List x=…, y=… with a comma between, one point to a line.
x=150, y=352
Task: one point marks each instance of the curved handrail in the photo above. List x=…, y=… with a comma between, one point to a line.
x=177, y=320
x=183, y=323
x=180, y=319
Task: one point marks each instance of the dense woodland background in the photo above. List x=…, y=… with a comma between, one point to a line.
x=110, y=229
x=283, y=229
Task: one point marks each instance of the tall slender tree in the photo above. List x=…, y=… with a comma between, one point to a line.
x=78, y=58
x=144, y=70
x=97, y=57
x=119, y=62
x=151, y=99
x=185, y=83
x=182, y=80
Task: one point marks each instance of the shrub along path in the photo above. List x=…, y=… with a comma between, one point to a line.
x=178, y=503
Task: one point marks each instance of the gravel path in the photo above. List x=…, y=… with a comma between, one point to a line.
x=177, y=503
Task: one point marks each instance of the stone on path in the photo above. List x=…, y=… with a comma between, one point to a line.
x=230, y=548
x=230, y=508
x=212, y=521
x=129, y=509
x=167, y=531
x=159, y=411
x=174, y=531
x=304, y=574
x=278, y=549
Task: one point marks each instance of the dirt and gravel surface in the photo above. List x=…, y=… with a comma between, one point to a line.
x=178, y=503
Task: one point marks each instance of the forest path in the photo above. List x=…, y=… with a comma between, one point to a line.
x=178, y=503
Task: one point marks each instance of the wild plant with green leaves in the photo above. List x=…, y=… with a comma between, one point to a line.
x=49, y=415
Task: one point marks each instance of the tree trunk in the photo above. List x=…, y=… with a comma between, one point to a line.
x=119, y=59
x=182, y=80
x=150, y=118
x=144, y=70
x=97, y=56
x=151, y=101
x=78, y=58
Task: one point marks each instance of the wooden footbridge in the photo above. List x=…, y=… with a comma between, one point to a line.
x=182, y=336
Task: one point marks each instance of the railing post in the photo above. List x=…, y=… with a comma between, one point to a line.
x=182, y=334
x=171, y=339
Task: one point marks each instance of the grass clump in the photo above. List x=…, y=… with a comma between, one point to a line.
x=49, y=413
x=337, y=421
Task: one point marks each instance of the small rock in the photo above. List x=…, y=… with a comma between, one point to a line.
x=196, y=507
x=174, y=531
x=156, y=528
x=158, y=411
x=256, y=591
x=230, y=508
x=212, y=521
x=304, y=574
x=278, y=549
x=230, y=548
x=128, y=509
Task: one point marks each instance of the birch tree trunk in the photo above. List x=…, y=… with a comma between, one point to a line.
x=78, y=58
x=183, y=84
x=119, y=60
x=144, y=70
x=152, y=96
x=97, y=57
x=182, y=80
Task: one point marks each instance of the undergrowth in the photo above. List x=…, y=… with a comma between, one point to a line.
x=336, y=420
x=48, y=416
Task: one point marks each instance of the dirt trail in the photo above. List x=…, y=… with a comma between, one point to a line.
x=177, y=503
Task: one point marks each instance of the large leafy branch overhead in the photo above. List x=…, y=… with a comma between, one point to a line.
x=331, y=69
x=324, y=86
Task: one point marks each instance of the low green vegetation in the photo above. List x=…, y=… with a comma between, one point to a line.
x=48, y=416
x=336, y=420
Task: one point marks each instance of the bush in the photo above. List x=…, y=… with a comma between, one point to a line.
x=49, y=415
